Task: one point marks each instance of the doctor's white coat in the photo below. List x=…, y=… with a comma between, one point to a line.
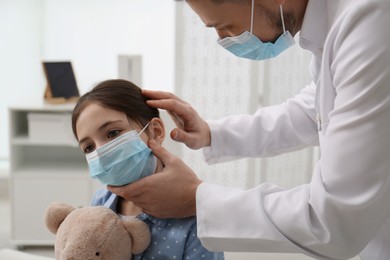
x=345, y=209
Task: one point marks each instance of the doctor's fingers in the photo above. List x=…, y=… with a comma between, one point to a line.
x=174, y=167
x=152, y=196
x=161, y=153
x=193, y=140
x=181, y=112
x=130, y=191
x=165, y=204
x=151, y=206
x=158, y=95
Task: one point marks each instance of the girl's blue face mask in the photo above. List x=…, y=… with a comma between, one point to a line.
x=123, y=160
x=247, y=45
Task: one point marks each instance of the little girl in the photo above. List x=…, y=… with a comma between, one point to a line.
x=113, y=124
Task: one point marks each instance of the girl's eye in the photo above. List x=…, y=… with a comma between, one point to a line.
x=88, y=149
x=113, y=133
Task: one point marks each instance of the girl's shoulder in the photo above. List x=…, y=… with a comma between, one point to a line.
x=104, y=197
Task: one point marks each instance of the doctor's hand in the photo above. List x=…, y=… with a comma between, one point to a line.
x=191, y=129
x=167, y=194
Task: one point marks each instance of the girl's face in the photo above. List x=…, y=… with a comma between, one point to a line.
x=98, y=125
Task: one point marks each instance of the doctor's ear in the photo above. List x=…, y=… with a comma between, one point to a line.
x=157, y=130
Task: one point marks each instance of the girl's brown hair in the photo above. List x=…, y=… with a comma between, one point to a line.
x=120, y=95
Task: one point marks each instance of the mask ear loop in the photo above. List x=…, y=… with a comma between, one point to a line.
x=143, y=129
x=281, y=13
x=253, y=7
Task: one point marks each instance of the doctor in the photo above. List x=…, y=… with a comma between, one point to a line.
x=345, y=209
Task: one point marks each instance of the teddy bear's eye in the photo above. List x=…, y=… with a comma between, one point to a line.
x=97, y=253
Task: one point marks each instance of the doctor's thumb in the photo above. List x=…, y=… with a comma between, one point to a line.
x=189, y=139
x=160, y=152
x=180, y=135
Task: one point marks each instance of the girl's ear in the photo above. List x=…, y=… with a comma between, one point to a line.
x=157, y=130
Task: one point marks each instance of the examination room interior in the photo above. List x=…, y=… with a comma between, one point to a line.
x=160, y=45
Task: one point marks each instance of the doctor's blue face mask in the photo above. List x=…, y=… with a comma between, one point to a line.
x=247, y=45
x=123, y=160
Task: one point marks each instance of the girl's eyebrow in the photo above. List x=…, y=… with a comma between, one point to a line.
x=108, y=123
x=100, y=128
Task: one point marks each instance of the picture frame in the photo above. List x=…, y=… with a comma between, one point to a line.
x=61, y=85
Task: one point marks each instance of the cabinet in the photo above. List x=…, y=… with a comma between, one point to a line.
x=43, y=170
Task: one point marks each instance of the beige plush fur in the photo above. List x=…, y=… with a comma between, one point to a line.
x=95, y=233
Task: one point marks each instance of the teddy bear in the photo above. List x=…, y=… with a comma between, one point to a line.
x=94, y=232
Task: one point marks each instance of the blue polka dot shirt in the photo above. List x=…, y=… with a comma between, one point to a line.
x=171, y=238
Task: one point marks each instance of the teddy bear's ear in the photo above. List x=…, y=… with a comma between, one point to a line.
x=140, y=234
x=55, y=213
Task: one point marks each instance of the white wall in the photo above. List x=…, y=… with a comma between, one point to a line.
x=91, y=34
x=20, y=45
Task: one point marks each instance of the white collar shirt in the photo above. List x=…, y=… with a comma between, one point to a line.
x=345, y=209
